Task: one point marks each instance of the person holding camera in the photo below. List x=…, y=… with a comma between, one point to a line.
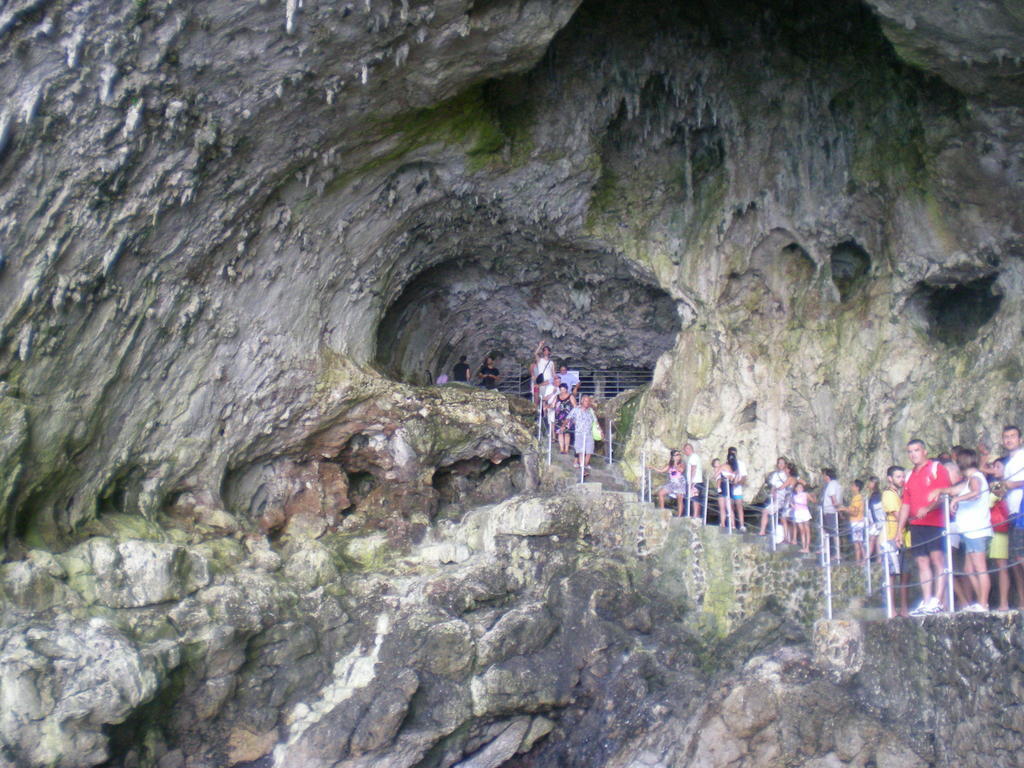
x=542, y=371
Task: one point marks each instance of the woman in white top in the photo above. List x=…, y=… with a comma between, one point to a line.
x=776, y=480
x=583, y=418
x=542, y=367
x=726, y=476
x=549, y=394
x=974, y=523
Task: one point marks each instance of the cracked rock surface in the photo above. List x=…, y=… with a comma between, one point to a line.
x=233, y=235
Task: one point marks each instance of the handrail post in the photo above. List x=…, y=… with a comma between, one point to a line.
x=839, y=542
x=887, y=584
x=643, y=471
x=728, y=503
x=949, y=554
x=867, y=554
x=823, y=541
x=828, y=583
x=826, y=561
x=610, y=449
x=774, y=516
x=551, y=437
x=707, y=484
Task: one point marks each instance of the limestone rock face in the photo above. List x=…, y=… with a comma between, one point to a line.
x=235, y=234
x=213, y=218
x=62, y=684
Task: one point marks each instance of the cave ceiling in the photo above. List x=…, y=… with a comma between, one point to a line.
x=209, y=213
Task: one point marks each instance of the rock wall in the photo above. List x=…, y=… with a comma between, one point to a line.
x=153, y=647
x=208, y=212
x=229, y=537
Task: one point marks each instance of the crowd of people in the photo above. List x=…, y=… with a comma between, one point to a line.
x=487, y=375
x=900, y=524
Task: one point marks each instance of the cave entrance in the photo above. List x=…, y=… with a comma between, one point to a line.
x=599, y=315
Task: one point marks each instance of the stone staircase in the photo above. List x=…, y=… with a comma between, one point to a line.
x=724, y=575
x=607, y=479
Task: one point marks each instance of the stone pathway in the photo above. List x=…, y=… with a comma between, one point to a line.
x=608, y=479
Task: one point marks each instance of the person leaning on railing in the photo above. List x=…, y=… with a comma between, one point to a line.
x=974, y=524
x=923, y=516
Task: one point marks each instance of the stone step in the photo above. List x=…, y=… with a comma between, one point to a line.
x=624, y=495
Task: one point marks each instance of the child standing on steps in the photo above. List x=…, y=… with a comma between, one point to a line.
x=855, y=512
x=676, y=485
x=802, y=517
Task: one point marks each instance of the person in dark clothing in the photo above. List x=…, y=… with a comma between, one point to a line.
x=460, y=372
x=488, y=376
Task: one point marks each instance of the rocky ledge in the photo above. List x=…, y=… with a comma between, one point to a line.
x=529, y=632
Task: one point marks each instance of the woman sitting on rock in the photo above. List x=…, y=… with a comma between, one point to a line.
x=676, y=485
x=583, y=419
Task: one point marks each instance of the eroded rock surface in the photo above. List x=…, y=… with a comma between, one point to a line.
x=232, y=540
x=208, y=212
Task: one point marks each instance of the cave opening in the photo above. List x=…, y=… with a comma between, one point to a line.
x=954, y=314
x=596, y=311
x=850, y=265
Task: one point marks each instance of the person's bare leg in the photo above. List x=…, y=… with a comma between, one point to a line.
x=1018, y=581
x=963, y=590
x=924, y=570
x=904, y=593
x=1004, y=584
x=724, y=511
x=661, y=498
x=938, y=561
x=976, y=567
x=764, y=520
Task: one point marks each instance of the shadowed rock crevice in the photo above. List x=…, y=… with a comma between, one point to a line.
x=955, y=314
x=850, y=265
x=477, y=481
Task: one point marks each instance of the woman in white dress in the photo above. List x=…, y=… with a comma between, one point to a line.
x=583, y=418
x=543, y=368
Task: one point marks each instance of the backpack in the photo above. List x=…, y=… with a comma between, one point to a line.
x=540, y=376
x=876, y=513
x=1000, y=516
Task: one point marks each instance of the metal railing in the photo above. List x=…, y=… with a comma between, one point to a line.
x=603, y=383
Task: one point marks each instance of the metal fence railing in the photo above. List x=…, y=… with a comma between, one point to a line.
x=603, y=383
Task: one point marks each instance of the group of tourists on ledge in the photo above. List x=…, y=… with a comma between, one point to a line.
x=487, y=375
x=898, y=522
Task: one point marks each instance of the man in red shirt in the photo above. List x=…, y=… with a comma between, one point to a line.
x=924, y=515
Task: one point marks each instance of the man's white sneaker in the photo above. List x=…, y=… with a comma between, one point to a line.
x=927, y=608
x=976, y=608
